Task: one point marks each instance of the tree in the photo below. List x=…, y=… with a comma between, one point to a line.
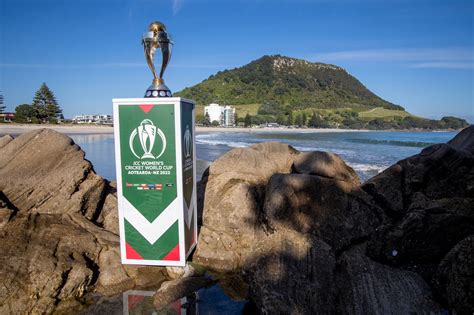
x=236, y=118
x=207, y=120
x=247, y=120
x=281, y=119
x=298, y=120
x=304, y=119
x=314, y=121
x=289, y=120
x=45, y=105
x=2, y=107
x=24, y=113
x=215, y=123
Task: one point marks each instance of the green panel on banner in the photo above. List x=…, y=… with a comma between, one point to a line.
x=147, y=146
x=155, y=251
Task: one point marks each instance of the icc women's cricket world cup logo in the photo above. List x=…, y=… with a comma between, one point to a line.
x=146, y=133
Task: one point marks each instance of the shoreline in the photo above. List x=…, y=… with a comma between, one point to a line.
x=17, y=129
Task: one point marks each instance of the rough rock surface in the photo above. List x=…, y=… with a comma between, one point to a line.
x=335, y=211
x=454, y=278
x=43, y=171
x=53, y=244
x=173, y=290
x=234, y=188
x=325, y=164
x=5, y=140
x=367, y=287
x=430, y=200
x=308, y=238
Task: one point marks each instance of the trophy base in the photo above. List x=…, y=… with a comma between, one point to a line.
x=160, y=90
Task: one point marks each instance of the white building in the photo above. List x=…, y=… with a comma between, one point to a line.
x=223, y=114
x=229, y=116
x=93, y=119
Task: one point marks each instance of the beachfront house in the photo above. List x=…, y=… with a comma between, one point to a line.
x=93, y=119
x=7, y=117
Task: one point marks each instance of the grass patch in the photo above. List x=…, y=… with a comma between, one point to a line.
x=380, y=112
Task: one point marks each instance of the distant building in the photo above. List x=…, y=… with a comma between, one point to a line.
x=7, y=116
x=225, y=115
x=93, y=119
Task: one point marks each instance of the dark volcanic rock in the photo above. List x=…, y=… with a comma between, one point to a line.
x=367, y=287
x=454, y=278
x=335, y=211
x=293, y=274
x=54, y=250
x=430, y=199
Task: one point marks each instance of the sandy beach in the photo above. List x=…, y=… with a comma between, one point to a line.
x=17, y=129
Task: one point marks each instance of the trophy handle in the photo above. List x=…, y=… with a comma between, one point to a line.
x=166, y=54
x=149, y=48
x=165, y=44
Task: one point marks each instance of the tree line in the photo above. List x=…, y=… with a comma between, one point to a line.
x=351, y=120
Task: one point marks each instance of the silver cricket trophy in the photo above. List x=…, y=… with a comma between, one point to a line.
x=155, y=38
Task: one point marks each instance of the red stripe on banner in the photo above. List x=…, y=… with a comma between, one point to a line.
x=146, y=108
x=173, y=254
x=131, y=253
x=133, y=300
x=176, y=306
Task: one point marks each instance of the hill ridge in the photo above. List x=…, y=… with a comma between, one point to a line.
x=290, y=82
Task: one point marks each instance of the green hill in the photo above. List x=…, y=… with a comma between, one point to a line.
x=292, y=91
x=292, y=83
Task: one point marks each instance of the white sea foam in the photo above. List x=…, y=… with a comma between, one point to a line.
x=232, y=144
x=368, y=167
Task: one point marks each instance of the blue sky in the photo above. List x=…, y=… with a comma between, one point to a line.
x=419, y=54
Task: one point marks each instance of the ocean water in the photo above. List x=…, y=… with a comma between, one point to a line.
x=367, y=152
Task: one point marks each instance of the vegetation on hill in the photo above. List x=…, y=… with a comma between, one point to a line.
x=292, y=83
x=291, y=91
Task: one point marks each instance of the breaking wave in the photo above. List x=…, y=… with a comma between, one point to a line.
x=417, y=144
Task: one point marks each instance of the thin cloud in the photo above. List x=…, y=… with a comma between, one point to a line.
x=408, y=54
x=177, y=5
x=444, y=65
x=418, y=58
